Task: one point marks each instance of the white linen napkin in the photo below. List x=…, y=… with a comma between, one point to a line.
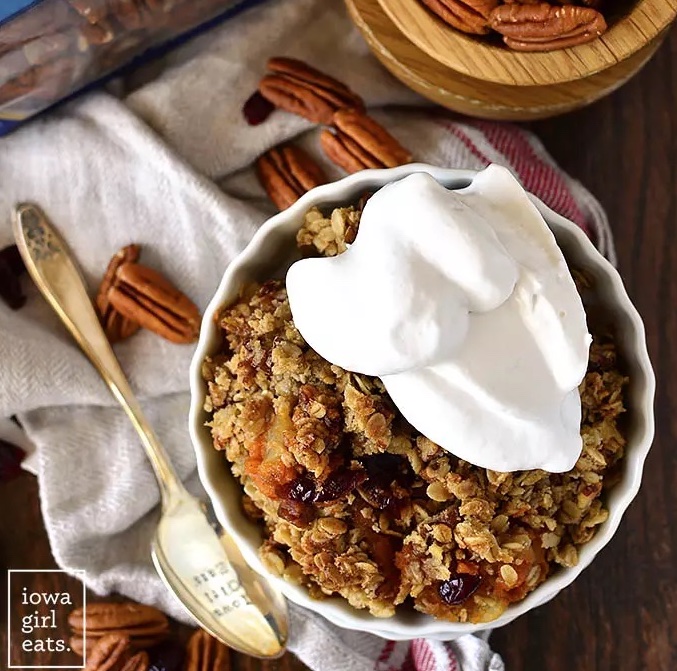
x=106, y=179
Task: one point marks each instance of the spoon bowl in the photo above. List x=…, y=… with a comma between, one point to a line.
x=188, y=552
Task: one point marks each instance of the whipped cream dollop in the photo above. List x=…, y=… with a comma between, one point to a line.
x=462, y=303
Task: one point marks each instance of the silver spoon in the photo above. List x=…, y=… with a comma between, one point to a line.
x=193, y=554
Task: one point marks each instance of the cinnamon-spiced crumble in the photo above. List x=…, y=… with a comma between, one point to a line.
x=355, y=502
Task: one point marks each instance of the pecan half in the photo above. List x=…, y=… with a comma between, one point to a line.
x=544, y=27
x=205, y=652
x=360, y=142
x=469, y=16
x=300, y=89
x=334, y=146
x=116, y=326
x=110, y=653
x=286, y=173
x=141, y=626
x=143, y=295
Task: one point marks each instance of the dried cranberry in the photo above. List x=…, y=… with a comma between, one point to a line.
x=167, y=656
x=376, y=496
x=11, y=267
x=305, y=489
x=11, y=457
x=384, y=470
x=257, y=109
x=300, y=514
x=302, y=489
x=339, y=484
x=456, y=590
x=13, y=258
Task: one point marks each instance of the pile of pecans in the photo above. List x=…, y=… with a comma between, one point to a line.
x=354, y=141
x=525, y=25
x=129, y=636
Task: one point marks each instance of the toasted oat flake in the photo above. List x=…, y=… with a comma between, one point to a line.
x=509, y=575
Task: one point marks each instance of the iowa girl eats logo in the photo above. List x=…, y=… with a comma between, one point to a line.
x=39, y=620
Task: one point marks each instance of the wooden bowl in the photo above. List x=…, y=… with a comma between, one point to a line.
x=489, y=60
x=476, y=96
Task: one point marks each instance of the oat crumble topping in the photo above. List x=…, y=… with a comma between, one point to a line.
x=355, y=502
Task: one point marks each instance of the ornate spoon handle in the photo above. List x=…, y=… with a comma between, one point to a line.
x=50, y=264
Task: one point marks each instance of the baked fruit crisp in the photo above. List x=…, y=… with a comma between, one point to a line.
x=355, y=502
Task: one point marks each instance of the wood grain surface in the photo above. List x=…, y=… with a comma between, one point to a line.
x=478, y=97
x=621, y=614
x=631, y=26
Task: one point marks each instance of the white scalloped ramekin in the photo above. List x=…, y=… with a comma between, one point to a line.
x=269, y=254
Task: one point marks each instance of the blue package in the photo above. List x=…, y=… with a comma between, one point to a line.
x=52, y=49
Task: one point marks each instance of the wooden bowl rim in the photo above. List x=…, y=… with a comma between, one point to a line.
x=474, y=97
x=470, y=56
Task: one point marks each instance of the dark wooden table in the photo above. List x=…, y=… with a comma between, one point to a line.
x=621, y=614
